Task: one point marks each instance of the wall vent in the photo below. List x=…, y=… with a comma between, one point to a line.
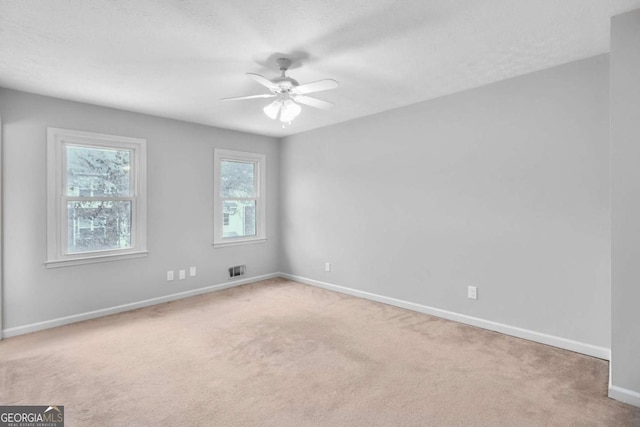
x=237, y=270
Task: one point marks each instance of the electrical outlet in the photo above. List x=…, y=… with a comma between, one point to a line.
x=192, y=271
x=182, y=274
x=170, y=275
x=472, y=292
x=327, y=266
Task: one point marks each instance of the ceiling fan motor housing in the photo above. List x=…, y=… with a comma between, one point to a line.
x=285, y=83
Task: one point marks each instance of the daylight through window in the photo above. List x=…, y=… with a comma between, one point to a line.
x=98, y=199
x=239, y=197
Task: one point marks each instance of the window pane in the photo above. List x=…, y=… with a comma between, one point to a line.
x=98, y=172
x=98, y=226
x=241, y=218
x=237, y=179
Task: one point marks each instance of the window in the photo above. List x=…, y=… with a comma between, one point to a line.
x=96, y=197
x=239, y=198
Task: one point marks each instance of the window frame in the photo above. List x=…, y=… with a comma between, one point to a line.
x=57, y=223
x=259, y=161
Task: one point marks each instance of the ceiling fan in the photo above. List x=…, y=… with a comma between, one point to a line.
x=288, y=94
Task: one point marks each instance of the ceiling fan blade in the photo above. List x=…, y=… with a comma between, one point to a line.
x=325, y=84
x=264, y=81
x=312, y=102
x=238, y=98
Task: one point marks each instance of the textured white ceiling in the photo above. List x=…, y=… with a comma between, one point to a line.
x=178, y=58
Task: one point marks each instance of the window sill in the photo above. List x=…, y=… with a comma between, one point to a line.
x=238, y=243
x=94, y=259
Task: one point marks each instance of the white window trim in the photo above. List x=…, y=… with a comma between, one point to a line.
x=260, y=176
x=56, y=183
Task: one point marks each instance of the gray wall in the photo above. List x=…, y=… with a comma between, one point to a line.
x=180, y=203
x=625, y=168
x=505, y=187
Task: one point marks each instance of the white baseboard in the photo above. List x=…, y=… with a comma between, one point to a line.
x=47, y=324
x=622, y=394
x=579, y=347
x=564, y=343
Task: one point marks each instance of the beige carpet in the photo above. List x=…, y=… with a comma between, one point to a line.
x=278, y=353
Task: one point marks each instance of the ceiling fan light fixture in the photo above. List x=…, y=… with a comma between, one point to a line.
x=273, y=109
x=289, y=111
